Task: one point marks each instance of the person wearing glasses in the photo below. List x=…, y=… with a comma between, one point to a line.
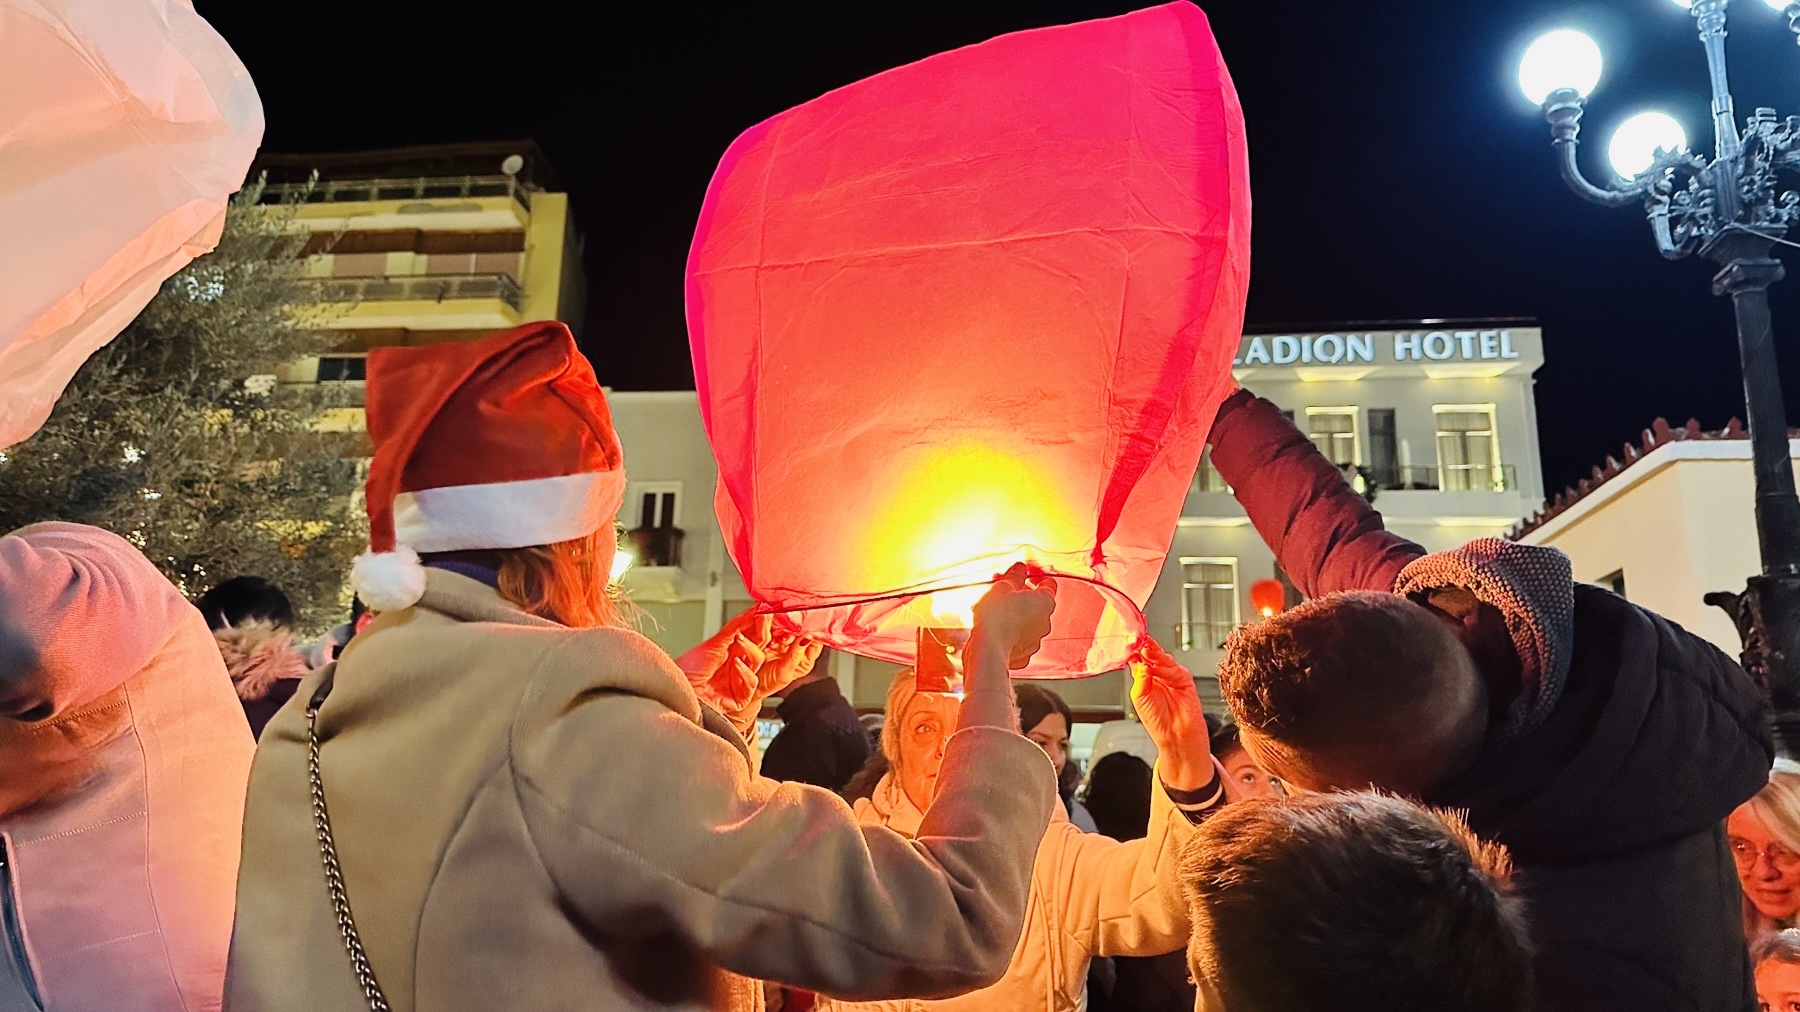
x=1764, y=834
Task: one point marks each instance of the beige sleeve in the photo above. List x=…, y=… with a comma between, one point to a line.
x=1125, y=899
x=645, y=822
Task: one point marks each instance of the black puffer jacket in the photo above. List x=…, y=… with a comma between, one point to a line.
x=1612, y=802
x=1613, y=809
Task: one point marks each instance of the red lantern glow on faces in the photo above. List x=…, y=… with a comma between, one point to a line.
x=973, y=311
x=1268, y=597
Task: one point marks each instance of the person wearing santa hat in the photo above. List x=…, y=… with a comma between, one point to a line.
x=497, y=798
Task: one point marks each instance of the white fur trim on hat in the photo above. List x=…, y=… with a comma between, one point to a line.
x=508, y=514
x=388, y=581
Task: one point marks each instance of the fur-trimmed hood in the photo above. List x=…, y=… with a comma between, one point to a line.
x=258, y=655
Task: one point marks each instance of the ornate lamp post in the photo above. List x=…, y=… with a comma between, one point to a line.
x=1730, y=210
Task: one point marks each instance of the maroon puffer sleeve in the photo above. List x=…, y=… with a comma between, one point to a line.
x=1324, y=535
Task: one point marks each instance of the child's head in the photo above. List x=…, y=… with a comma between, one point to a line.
x=1356, y=690
x=242, y=600
x=1352, y=901
x=1778, y=972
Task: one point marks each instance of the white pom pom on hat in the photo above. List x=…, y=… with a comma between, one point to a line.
x=388, y=581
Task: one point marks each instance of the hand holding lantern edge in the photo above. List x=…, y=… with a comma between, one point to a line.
x=1168, y=703
x=746, y=662
x=1011, y=621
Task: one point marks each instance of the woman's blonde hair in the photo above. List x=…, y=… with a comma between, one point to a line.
x=900, y=692
x=568, y=582
x=1777, y=805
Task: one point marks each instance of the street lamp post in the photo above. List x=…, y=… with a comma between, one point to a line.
x=1728, y=210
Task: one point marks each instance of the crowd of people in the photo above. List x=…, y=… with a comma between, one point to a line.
x=1448, y=781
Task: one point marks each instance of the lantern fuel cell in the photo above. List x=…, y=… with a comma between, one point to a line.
x=939, y=665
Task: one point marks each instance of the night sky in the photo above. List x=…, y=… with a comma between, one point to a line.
x=1398, y=173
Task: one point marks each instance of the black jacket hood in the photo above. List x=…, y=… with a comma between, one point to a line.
x=1657, y=735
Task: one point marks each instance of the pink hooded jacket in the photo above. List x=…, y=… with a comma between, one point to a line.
x=123, y=761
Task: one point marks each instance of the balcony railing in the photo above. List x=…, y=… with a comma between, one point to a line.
x=1203, y=635
x=1446, y=478
x=425, y=287
x=331, y=191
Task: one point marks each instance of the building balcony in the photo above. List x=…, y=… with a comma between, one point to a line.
x=1451, y=489
x=1445, y=478
x=414, y=190
x=423, y=288
x=424, y=301
x=655, y=547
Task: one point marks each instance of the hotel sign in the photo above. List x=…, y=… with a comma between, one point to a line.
x=1379, y=348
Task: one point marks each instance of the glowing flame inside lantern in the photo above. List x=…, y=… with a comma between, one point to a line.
x=955, y=609
x=956, y=518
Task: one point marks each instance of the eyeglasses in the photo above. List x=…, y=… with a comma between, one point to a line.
x=1745, y=854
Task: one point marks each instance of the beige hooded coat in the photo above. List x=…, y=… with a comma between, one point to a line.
x=1091, y=896
x=535, y=817
x=120, y=806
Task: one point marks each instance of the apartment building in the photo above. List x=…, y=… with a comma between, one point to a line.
x=423, y=245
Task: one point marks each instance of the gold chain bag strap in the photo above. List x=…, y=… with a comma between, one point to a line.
x=334, y=874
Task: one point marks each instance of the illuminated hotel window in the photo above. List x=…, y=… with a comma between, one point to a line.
x=1209, y=602
x=1333, y=431
x=1468, y=449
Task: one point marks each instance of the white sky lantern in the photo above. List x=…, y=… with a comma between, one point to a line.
x=124, y=127
x=1564, y=58
x=1638, y=139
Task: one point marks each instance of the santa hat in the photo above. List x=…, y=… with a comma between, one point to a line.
x=492, y=444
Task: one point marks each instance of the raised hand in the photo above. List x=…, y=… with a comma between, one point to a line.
x=1011, y=621
x=1167, y=702
x=1014, y=615
x=745, y=663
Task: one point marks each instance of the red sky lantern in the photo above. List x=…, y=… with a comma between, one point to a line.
x=976, y=310
x=1268, y=598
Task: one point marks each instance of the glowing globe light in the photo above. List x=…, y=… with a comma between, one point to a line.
x=1561, y=59
x=1684, y=3
x=1778, y=5
x=1635, y=145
